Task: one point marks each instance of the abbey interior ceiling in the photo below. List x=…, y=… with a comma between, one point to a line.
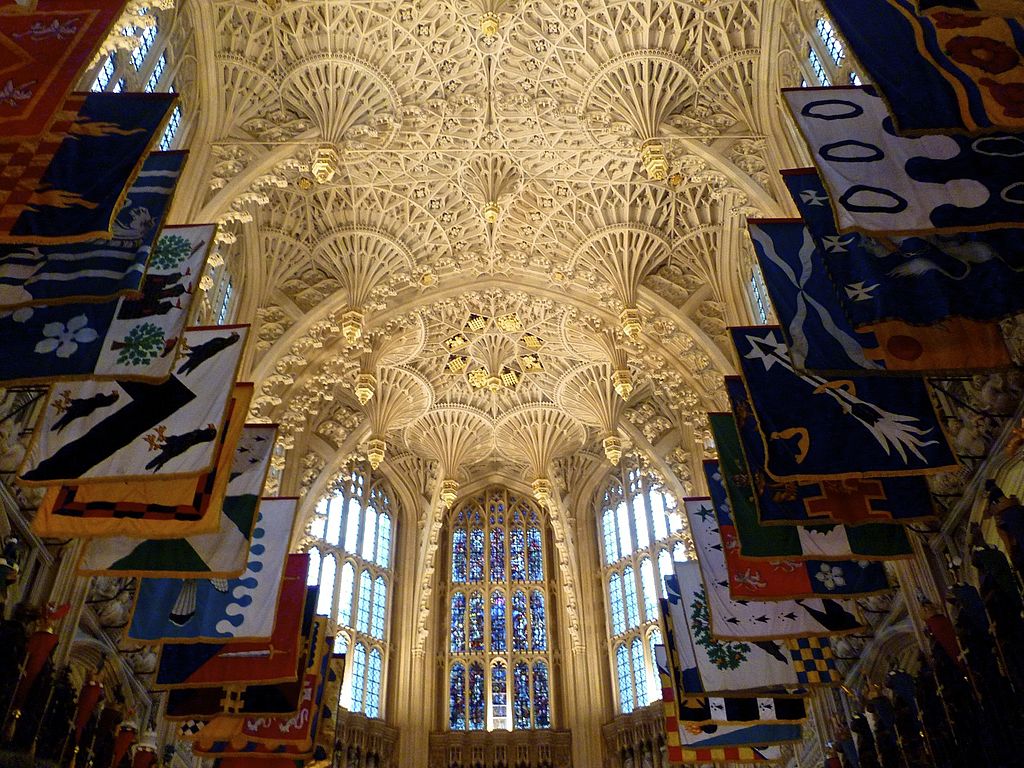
x=491, y=202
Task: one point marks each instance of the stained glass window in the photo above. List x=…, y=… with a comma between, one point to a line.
x=828, y=36
x=611, y=542
x=365, y=591
x=639, y=673
x=457, y=698
x=536, y=556
x=458, y=625
x=147, y=37
x=477, y=700
x=538, y=621
x=625, y=679
x=384, y=541
x=650, y=590
x=313, y=576
x=615, y=599
x=476, y=554
x=373, y=684
x=650, y=535
x=326, y=599
x=348, y=581
x=541, y=705
x=358, y=676
x=497, y=542
x=105, y=74
x=499, y=695
x=157, y=74
x=380, y=602
x=498, y=632
x=476, y=622
x=167, y=141
x=519, y=621
x=497, y=554
x=352, y=530
x=517, y=555
x=521, y=692
x=459, y=555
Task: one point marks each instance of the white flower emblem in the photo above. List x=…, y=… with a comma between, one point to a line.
x=830, y=576
x=64, y=339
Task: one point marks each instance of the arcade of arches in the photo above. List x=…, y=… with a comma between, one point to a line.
x=489, y=250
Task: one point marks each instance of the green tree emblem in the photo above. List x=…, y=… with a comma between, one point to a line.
x=723, y=655
x=170, y=252
x=141, y=346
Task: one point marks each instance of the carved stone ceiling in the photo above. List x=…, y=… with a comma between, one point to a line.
x=489, y=204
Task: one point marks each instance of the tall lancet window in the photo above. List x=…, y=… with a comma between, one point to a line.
x=349, y=542
x=499, y=628
x=641, y=532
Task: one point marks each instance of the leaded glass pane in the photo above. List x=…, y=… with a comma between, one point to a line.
x=541, y=704
x=625, y=681
x=352, y=515
x=650, y=590
x=655, y=686
x=457, y=698
x=365, y=591
x=369, y=534
x=476, y=622
x=499, y=695
x=536, y=554
x=521, y=690
x=639, y=673
x=477, y=701
x=333, y=532
x=373, y=684
x=611, y=542
x=348, y=582
x=358, y=676
x=498, y=633
x=318, y=526
x=325, y=601
x=665, y=567
x=643, y=536
x=476, y=554
x=625, y=536
x=380, y=602
x=632, y=609
x=657, y=502
x=459, y=555
x=458, y=626
x=519, y=621
x=498, y=554
x=313, y=575
x=517, y=554
x=384, y=540
x=615, y=600
x=538, y=621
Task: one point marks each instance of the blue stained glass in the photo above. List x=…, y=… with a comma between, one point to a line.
x=458, y=628
x=358, y=677
x=457, y=698
x=536, y=555
x=639, y=673
x=476, y=554
x=625, y=679
x=517, y=554
x=615, y=600
x=519, y=621
x=538, y=621
x=497, y=554
x=499, y=692
x=541, y=704
x=476, y=622
x=459, y=555
x=521, y=691
x=611, y=541
x=498, y=633
x=632, y=609
x=373, y=685
x=477, y=701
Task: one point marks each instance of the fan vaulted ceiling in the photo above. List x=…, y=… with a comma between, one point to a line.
x=487, y=194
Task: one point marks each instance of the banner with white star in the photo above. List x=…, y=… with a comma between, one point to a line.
x=866, y=426
x=918, y=280
x=821, y=338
